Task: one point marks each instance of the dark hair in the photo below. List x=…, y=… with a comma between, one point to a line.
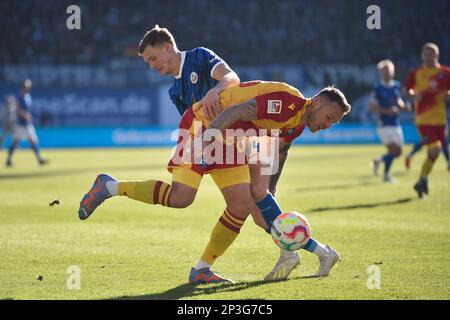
x=334, y=94
x=155, y=36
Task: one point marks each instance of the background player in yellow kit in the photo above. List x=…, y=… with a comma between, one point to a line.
x=429, y=84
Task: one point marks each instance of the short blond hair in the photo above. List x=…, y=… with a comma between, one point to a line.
x=431, y=45
x=386, y=63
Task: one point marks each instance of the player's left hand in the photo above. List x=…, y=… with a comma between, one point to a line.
x=211, y=104
x=393, y=111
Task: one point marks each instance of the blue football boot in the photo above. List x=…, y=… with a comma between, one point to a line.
x=205, y=276
x=95, y=196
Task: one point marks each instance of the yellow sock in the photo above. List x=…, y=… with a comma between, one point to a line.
x=222, y=236
x=150, y=191
x=426, y=167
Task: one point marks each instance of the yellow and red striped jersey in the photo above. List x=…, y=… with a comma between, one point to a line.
x=279, y=105
x=432, y=84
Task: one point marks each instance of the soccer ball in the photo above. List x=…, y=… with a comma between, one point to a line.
x=290, y=230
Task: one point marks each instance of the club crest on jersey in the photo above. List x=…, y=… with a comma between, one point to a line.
x=194, y=77
x=274, y=106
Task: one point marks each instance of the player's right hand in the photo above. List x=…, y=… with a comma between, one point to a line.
x=393, y=111
x=211, y=104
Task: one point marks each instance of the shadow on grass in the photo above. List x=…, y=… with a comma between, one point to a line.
x=189, y=290
x=68, y=172
x=363, y=205
x=396, y=174
x=337, y=186
x=364, y=180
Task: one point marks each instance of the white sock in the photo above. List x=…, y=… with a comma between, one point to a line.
x=320, y=250
x=112, y=187
x=202, y=264
x=287, y=253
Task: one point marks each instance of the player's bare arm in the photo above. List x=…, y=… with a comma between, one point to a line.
x=246, y=111
x=411, y=93
x=227, y=78
x=282, y=156
x=403, y=105
x=374, y=106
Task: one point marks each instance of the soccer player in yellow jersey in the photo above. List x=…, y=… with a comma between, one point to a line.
x=252, y=105
x=429, y=84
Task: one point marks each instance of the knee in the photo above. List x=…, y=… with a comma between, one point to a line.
x=434, y=153
x=180, y=202
x=181, y=199
x=397, y=152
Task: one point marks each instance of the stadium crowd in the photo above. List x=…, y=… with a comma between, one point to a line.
x=243, y=32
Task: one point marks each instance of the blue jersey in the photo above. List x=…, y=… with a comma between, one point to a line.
x=195, y=79
x=387, y=97
x=24, y=102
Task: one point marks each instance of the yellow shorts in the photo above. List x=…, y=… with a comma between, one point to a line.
x=222, y=177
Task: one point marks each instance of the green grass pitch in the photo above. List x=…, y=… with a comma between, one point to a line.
x=130, y=249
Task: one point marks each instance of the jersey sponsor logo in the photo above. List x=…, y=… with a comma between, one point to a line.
x=274, y=106
x=194, y=77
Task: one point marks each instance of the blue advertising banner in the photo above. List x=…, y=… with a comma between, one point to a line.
x=167, y=136
x=93, y=107
x=353, y=133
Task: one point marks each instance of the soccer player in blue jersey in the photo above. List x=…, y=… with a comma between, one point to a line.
x=200, y=74
x=24, y=128
x=386, y=102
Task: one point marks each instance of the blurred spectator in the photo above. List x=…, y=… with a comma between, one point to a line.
x=243, y=32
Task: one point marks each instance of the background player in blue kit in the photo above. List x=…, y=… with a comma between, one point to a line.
x=200, y=74
x=386, y=102
x=8, y=115
x=24, y=128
